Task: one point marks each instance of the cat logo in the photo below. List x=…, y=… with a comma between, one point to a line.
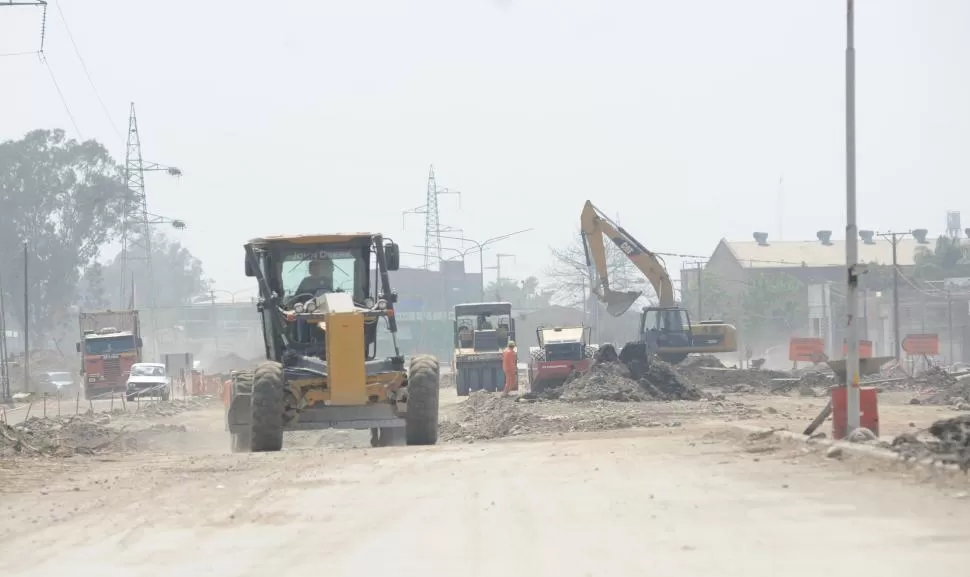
x=627, y=248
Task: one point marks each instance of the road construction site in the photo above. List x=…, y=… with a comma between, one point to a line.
x=597, y=478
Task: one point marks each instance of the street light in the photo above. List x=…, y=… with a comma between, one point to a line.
x=920, y=235
x=481, y=248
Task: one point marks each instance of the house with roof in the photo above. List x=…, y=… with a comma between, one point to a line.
x=819, y=268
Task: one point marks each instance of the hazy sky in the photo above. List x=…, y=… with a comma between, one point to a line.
x=680, y=117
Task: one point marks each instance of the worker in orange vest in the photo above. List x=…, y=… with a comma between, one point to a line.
x=226, y=392
x=510, y=363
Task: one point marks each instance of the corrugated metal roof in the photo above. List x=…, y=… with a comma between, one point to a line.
x=814, y=254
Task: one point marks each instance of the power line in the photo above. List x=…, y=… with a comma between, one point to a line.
x=84, y=67
x=57, y=86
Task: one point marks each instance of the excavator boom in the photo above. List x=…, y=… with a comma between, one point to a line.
x=594, y=225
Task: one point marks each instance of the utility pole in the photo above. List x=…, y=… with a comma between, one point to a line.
x=896, y=341
x=920, y=235
x=215, y=321
x=4, y=366
x=26, y=324
x=851, y=231
x=498, y=272
x=949, y=314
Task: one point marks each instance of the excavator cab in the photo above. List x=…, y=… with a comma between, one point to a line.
x=672, y=330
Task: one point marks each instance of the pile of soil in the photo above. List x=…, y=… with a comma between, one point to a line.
x=85, y=434
x=488, y=416
x=948, y=442
x=656, y=381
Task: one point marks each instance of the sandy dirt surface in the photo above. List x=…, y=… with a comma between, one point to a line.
x=668, y=489
x=691, y=501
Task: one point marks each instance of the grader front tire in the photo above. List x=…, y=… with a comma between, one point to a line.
x=421, y=426
x=267, y=427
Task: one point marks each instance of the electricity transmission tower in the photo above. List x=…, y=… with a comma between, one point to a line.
x=432, y=220
x=138, y=222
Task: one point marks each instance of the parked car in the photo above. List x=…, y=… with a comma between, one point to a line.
x=53, y=382
x=148, y=380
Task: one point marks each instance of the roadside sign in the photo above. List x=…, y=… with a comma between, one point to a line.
x=805, y=349
x=922, y=344
x=865, y=349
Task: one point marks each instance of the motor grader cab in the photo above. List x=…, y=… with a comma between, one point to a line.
x=562, y=351
x=482, y=333
x=664, y=329
x=324, y=301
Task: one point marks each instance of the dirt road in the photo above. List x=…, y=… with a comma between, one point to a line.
x=673, y=501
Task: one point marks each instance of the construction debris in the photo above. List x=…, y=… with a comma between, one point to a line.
x=490, y=416
x=947, y=441
x=85, y=434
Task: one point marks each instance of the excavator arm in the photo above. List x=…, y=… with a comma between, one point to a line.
x=594, y=226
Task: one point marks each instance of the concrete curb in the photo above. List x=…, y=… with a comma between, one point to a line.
x=854, y=449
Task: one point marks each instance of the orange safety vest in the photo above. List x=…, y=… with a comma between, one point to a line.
x=226, y=392
x=509, y=361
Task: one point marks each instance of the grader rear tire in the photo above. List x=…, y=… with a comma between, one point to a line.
x=267, y=427
x=421, y=426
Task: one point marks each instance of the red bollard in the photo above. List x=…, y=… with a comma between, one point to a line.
x=868, y=408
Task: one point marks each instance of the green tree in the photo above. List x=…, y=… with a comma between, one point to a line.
x=762, y=306
x=179, y=277
x=91, y=291
x=65, y=199
x=949, y=258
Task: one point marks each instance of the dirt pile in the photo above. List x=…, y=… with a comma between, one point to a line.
x=948, y=441
x=658, y=381
x=488, y=416
x=85, y=434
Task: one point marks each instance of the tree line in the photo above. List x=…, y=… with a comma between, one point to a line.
x=66, y=200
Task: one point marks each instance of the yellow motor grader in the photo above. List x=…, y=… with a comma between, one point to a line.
x=323, y=300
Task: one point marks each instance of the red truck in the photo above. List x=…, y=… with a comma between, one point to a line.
x=110, y=343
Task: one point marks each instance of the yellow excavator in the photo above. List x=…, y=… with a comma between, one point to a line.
x=665, y=329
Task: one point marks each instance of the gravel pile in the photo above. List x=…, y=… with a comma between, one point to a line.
x=947, y=441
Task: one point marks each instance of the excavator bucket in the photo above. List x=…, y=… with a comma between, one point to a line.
x=618, y=303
